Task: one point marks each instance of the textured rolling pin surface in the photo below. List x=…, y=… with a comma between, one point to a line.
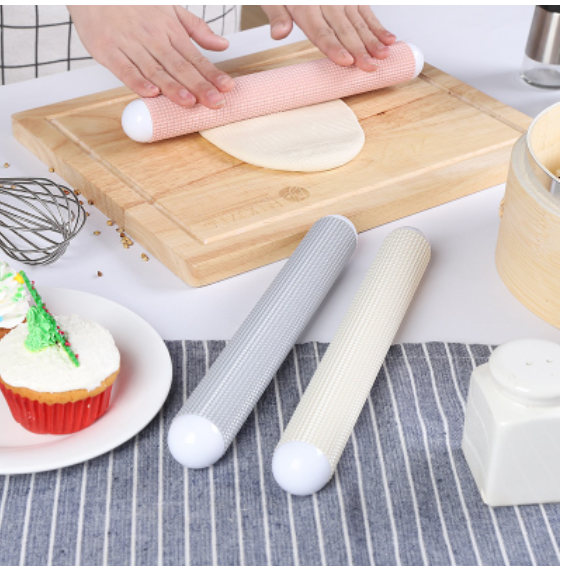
x=241, y=373
x=281, y=89
x=330, y=407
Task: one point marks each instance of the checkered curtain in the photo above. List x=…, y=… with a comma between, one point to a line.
x=41, y=40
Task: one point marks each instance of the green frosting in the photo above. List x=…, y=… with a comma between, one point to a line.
x=43, y=331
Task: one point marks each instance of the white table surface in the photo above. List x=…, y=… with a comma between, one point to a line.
x=461, y=298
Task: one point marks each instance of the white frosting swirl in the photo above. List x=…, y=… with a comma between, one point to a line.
x=13, y=298
x=50, y=370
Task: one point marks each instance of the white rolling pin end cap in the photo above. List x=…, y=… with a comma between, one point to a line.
x=195, y=442
x=300, y=468
x=137, y=122
x=419, y=59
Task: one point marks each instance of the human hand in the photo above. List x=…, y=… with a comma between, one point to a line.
x=150, y=49
x=348, y=35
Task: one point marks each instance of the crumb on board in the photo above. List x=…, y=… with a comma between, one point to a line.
x=110, y=222
x=144, y=257
x=88, y=214
x=76, y=192
x=6, y=165
x=96, y=232
x=91, y=202
x=51, y=170
x=99, y=274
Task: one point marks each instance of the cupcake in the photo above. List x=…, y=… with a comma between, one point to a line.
x=57, y=373
x=13, y=299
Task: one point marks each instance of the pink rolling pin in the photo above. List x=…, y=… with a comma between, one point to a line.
x=277, y=90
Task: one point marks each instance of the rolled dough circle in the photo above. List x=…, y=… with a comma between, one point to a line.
x=313, y=138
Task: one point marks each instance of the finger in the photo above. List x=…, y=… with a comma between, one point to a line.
x=185, y=70
x=280, y=21
x=130, y=75
x=372, y=44
x=348, y=36
x=386, y=37
x=318, y=31
x=200, y=32
x=153, y=70
x=182, y=42
x=219, y=81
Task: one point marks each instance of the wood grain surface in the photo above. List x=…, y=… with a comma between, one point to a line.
x=208, y=216
x=528, y=246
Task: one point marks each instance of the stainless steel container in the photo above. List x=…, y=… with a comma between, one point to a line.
x=541, y=64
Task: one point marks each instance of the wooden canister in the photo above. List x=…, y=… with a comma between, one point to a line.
x=528, y=245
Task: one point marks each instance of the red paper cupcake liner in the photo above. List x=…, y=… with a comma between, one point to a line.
x=59, y=418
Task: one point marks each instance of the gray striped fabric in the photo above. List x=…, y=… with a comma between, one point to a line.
x=402, y=492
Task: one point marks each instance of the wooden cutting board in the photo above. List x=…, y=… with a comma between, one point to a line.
x=208, y=216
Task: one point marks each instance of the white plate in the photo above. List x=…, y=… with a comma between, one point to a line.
x=138, y=394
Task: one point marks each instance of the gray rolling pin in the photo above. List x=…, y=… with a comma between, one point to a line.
x=206, y=425
x=310, y=448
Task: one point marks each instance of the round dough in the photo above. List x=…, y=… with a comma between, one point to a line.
x=313, y=138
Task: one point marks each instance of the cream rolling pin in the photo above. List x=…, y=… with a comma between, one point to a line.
x=268, y=92
x=310, y=447
x=206, y=425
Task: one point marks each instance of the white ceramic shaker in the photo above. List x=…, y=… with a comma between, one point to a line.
x=511, y=437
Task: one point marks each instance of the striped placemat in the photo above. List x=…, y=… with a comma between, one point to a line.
x=402, y=494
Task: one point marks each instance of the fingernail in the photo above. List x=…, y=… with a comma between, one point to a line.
x=152, y=87
x=187, y=96
x=279, y=25
x=345, y=54
x=224, y=80
x=382, y=48
x=370, y=60
x=215, y=98
x=390, y=34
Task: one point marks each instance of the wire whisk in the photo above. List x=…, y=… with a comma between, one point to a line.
x=38, y=219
